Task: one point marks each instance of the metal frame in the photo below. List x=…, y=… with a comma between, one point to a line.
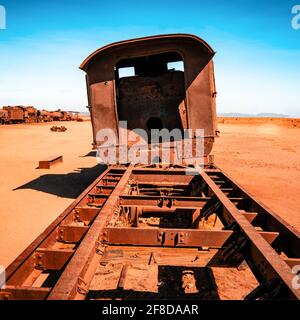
x=67, y=254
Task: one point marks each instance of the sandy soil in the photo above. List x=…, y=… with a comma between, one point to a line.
x=283, y=122
x=32, y=198
x=265, y=160
x=262, y=157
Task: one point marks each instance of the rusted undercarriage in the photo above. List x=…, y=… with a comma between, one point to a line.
x=141, y=232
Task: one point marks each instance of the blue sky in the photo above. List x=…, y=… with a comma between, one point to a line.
x=257, y=64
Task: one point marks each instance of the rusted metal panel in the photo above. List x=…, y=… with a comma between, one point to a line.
x=102, y=102
x=71, y=233
x=85, y=215
x=51, y=259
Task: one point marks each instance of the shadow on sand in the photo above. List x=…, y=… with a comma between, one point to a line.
x=69, y=185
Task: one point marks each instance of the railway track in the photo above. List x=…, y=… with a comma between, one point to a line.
x=153, y=231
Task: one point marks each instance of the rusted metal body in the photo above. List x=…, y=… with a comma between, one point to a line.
x=16, y=114
x=44, y=116
x=137, y=223
x=58, y=129
x=56, y=115
x=65, y=116
x=4, y=116
x=30, y=114
x=75, y=116
x=156, y=95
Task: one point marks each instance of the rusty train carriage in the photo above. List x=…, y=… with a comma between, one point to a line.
x=30, y=114
x=155, y=96
x=3, y=116
x=14, y=114
x=136, y=224
x=22, y=114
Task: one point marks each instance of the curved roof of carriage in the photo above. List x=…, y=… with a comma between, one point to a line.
x=160, y=38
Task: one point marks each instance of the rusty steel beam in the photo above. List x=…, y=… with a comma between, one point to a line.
x=165, y=237
x=263, y=260
x=162, y=201
x=179, y=202
x=172, y=237
x=22, y=293
x=47, y=163
x=69, y=284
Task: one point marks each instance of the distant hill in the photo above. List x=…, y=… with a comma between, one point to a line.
x=248, y=115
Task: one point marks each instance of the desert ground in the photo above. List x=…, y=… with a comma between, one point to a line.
x=263, y=156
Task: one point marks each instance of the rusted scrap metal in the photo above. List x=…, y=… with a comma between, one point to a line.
x=165, y=237
x=75, y=243
x=58, y=129
x=29, y=114
x=47, y=163
x=15, y=114
x=4, y=116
